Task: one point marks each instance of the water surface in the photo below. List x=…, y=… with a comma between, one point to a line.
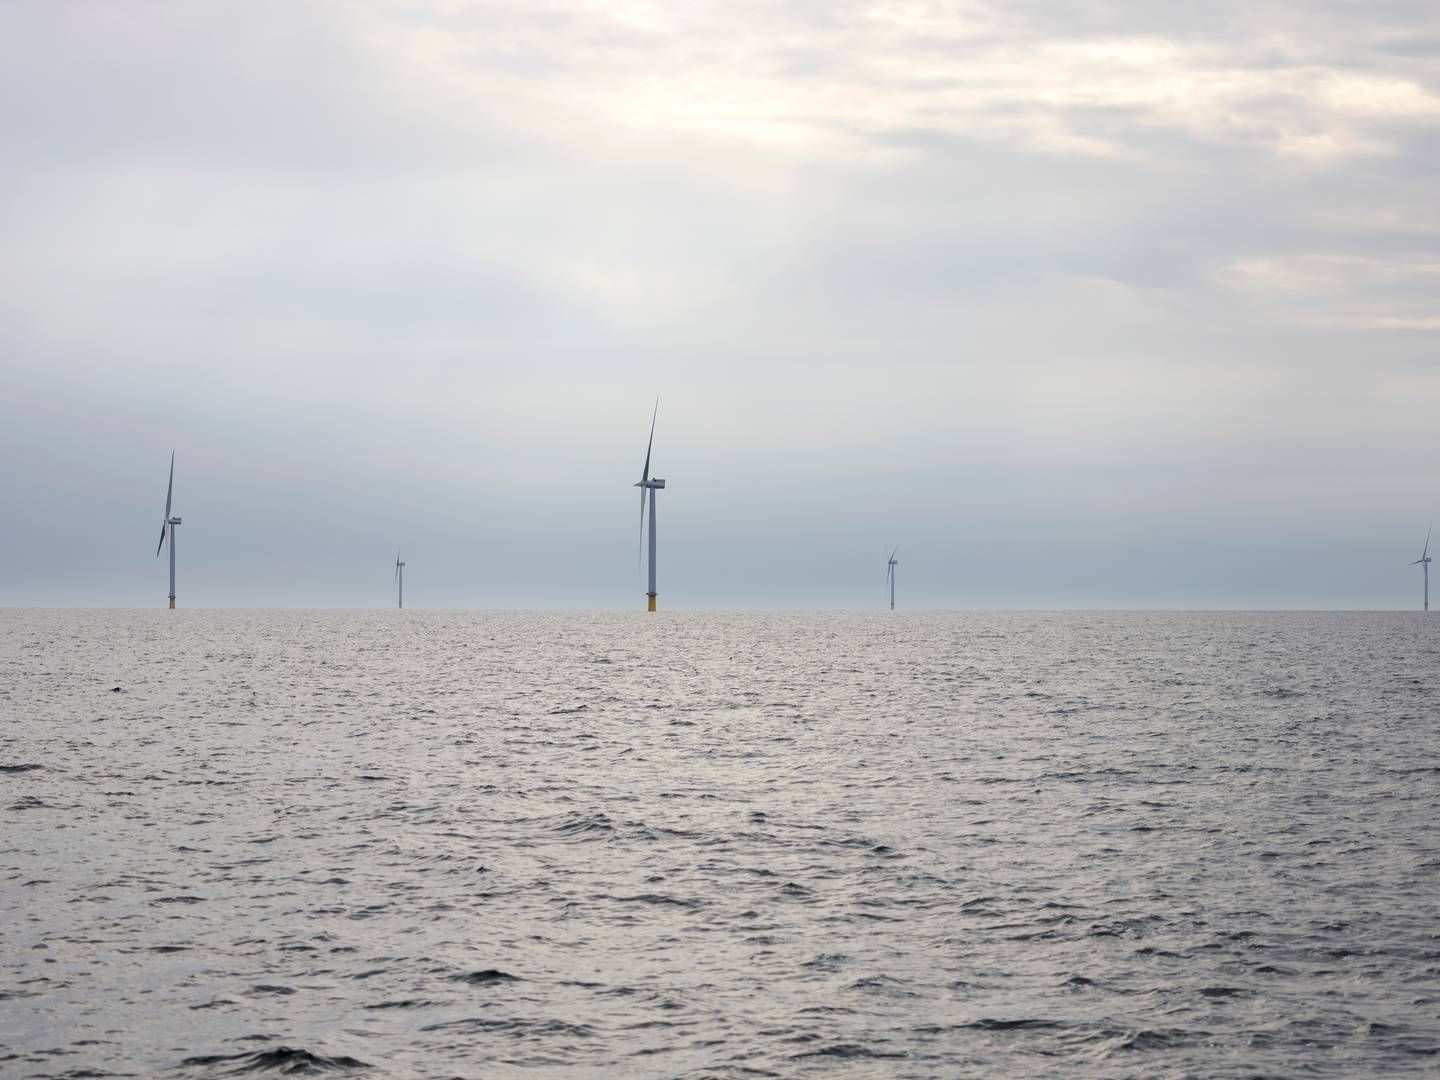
x=435, y=844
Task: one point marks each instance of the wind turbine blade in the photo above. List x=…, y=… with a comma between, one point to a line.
x=170, y=490
x=644, y=476
x=169, y=493
x=640, y=548
x=1427, y=541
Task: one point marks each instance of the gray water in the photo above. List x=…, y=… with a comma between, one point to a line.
x=434, y=844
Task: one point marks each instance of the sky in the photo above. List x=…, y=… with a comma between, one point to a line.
x=1082, y=304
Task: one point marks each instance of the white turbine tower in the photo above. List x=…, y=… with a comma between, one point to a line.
x=399, y=581
x=168, y=527
x=890, y=575
x=652, y=486
x=1424, y=563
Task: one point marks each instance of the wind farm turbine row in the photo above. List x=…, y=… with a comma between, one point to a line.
x=648, y=486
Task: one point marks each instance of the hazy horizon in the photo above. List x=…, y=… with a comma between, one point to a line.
x=1083, y=306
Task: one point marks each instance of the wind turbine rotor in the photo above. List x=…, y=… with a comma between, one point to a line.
x=644, y=483
x=169, y=493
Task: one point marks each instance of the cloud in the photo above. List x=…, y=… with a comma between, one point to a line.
x=1346, y=291
x=939, y=269
x=788, y=78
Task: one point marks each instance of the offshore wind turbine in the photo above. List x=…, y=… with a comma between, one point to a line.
x=399, y=580
x=167, y=527
x=1424, y=563
x=652, y=486
x=890, y=575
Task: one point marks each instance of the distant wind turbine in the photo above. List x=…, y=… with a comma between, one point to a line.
x=168, y=527
x=1423, y=562
x=646, y=483
x=399, y=580
x=890, y=575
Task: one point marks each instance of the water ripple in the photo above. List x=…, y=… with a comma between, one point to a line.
x=456, y=844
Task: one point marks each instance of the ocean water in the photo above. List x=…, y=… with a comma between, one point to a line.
x=438, y=844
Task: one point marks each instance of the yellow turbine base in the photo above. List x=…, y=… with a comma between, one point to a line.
x=652, y=600
x=172, y=603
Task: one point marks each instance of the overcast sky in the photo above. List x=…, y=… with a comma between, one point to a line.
x=1116, y=304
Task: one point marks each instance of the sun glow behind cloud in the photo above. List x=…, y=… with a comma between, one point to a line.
x=839, y=79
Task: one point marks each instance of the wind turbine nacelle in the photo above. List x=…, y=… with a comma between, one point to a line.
x=174, y=521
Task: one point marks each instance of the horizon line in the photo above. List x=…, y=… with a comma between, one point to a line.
x=744, y=610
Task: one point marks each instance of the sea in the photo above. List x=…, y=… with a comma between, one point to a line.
x=697, y=844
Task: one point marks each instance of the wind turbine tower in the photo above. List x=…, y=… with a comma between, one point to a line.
x=399, y=581
x=651, y=486
x=1423, y=562
x=890, y=575
x=167, y=528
